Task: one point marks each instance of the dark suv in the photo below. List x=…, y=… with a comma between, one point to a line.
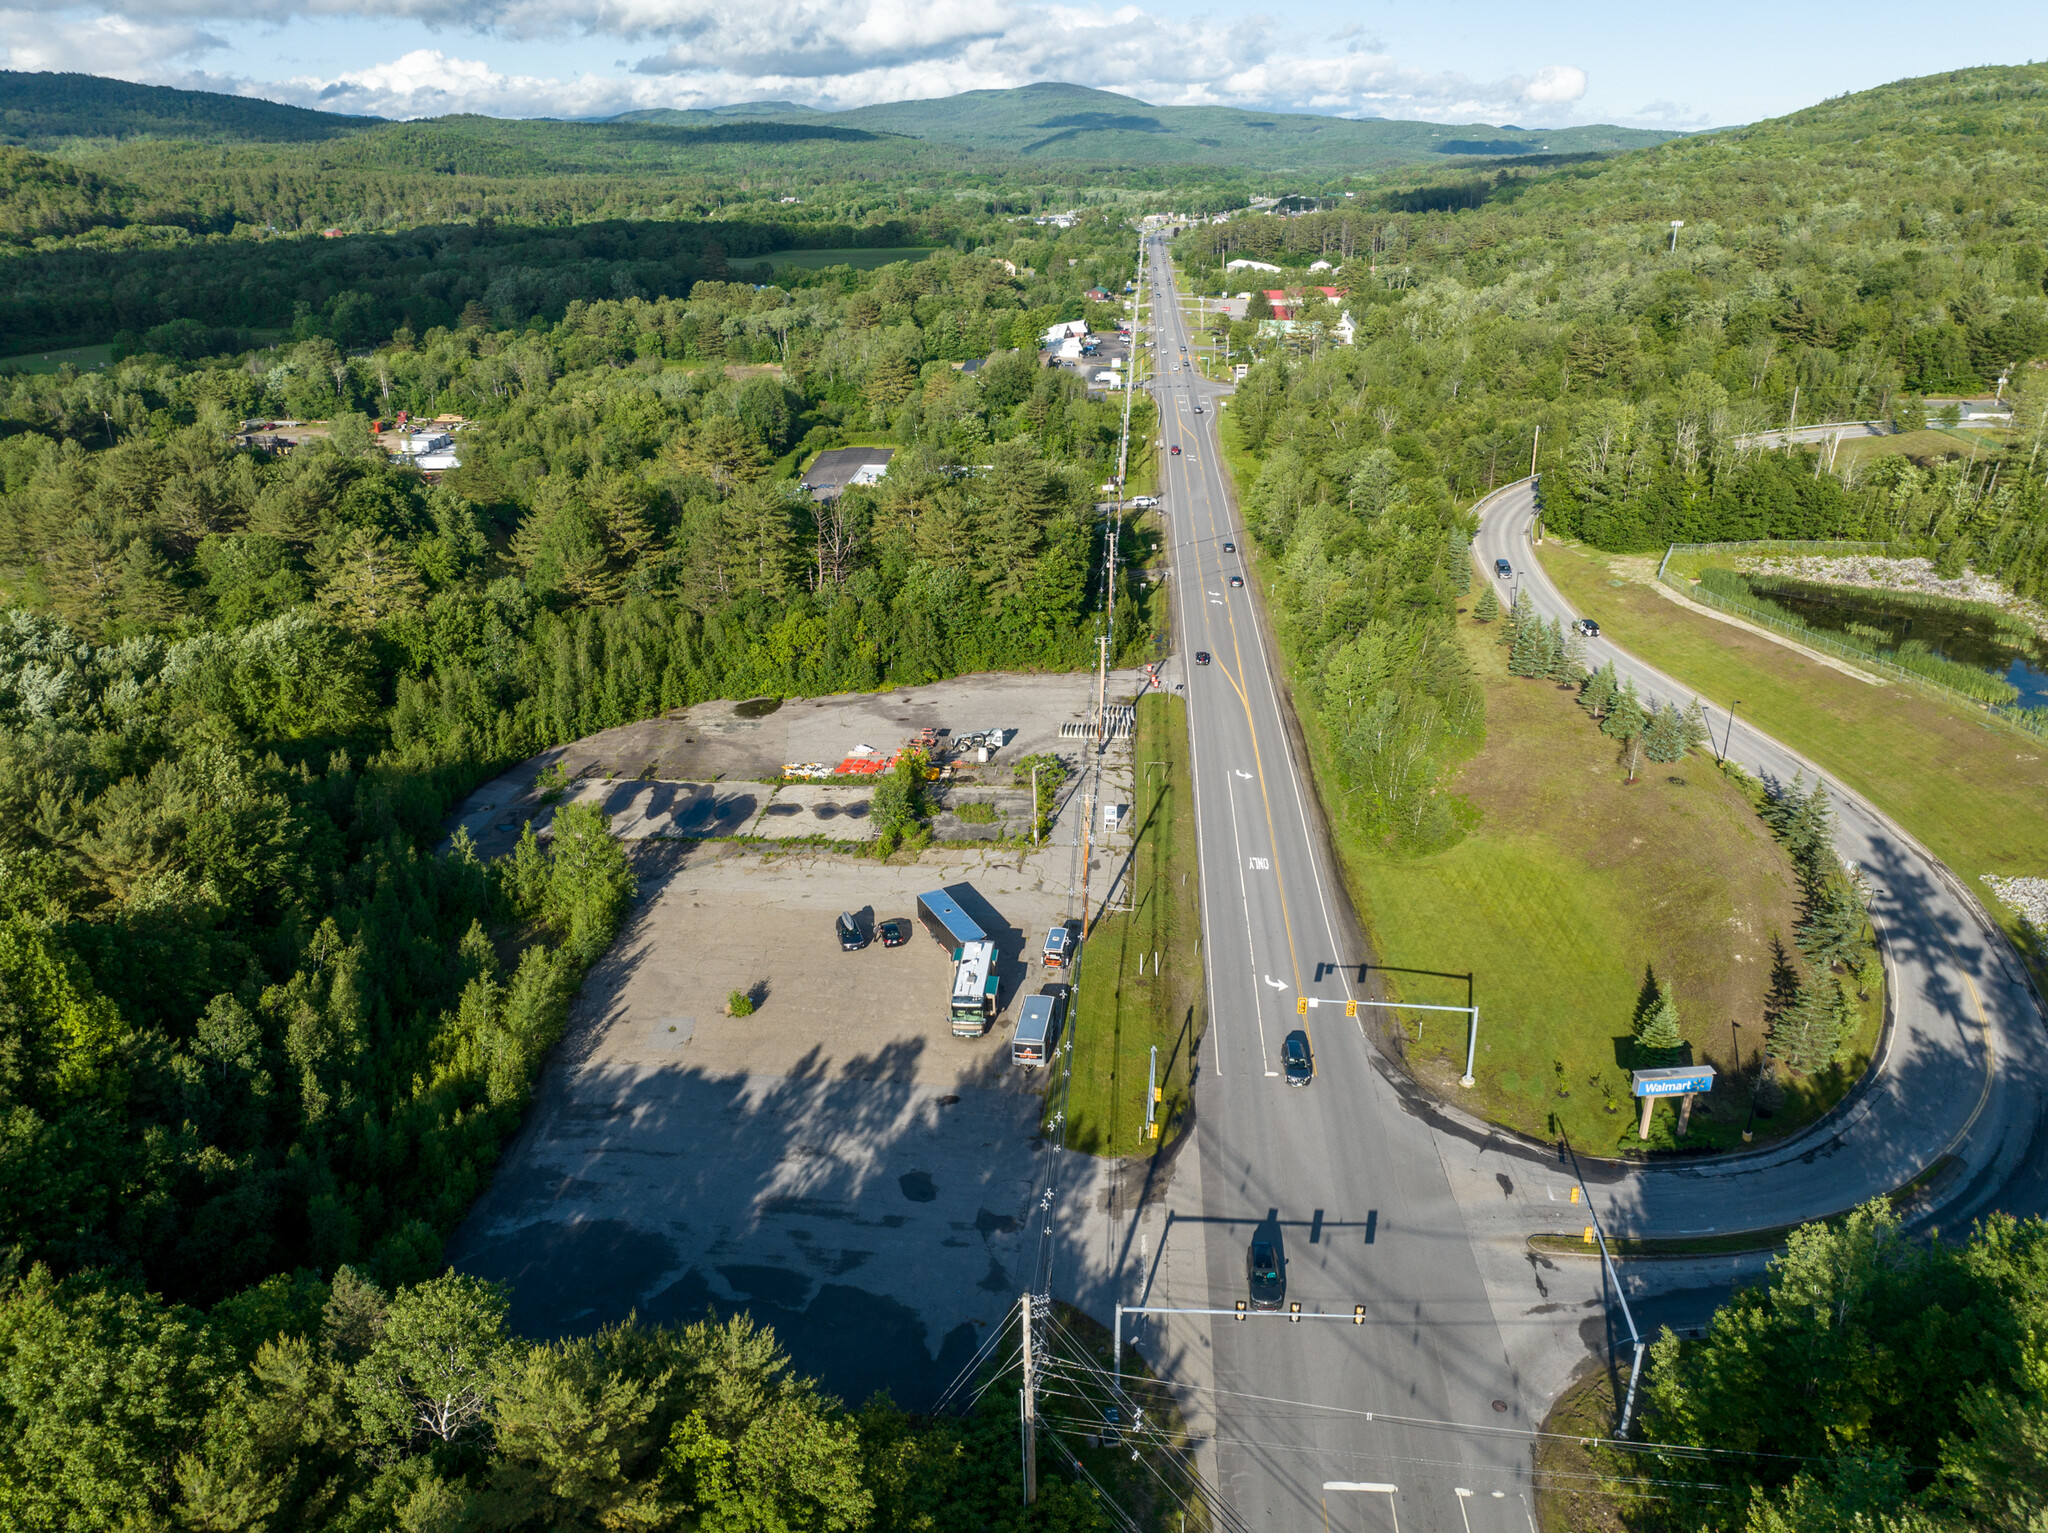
x=1297, y=1060
x=1262, y=1273
x=1502, y=568
x=851, y=938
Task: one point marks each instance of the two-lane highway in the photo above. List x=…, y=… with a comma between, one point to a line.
x=1347, y=1186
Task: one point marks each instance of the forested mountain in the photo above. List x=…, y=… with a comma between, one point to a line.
x=38, y=110
x=1073, y=122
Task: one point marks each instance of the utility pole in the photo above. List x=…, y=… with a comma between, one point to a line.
x=1534, y=443
x=1792, y=425
x=1034, y=806
x=1676, y=225
x=1030, y=1394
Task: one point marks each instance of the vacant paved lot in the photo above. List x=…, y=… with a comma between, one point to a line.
x=838, y=1163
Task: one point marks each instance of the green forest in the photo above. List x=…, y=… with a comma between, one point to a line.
x=263, y=1031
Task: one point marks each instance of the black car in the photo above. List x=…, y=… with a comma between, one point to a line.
x=1297, y=1060
x=894, y=933
x=1502, y=568
x=1230, y=548
x=851, y=938
x=1201, y=657
x=1588, y=627
x=1237, y=580
x=1262, y=1274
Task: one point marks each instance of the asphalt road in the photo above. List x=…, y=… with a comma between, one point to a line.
x=1348, y=1185
x=1356, y=1184
x=1965, y=1069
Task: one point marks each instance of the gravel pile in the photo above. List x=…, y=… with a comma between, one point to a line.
x=2029, y=896
x=1915, y=575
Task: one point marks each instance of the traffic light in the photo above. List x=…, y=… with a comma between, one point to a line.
x=1351, y=1008
x=1358, y=1314
x=1301, y=1007
x=1294, y=1312
x=1240, y=1309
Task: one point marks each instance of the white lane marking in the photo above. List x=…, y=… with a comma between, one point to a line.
x=1277, y=984
x=1261, y=865
x=1250, y=944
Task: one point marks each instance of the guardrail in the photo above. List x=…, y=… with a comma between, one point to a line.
x=1863, y=659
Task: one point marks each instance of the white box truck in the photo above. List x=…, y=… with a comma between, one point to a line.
x=975, y=984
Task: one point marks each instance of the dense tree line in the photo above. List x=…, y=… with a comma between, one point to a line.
x=258, y=1018
x=1876, y=1381
x=344, y=1405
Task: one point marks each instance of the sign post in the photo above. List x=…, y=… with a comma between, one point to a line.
x=1681, y=1081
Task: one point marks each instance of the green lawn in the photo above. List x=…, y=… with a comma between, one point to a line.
x=1120, y=1014
x=860, y=258
x=1974, y=793
x=1573, y=885
x=85, y=358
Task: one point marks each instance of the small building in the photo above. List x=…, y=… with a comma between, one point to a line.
x=1244, y=265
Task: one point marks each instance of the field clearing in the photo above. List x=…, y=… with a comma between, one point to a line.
x=860, y=258
x=1933, y=442
x=1975, y=794
x=1141, y=974
x=85, y=358
x=1571, y=890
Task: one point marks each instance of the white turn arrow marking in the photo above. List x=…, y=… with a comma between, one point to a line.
x=1276, y=984
x=1246, y=776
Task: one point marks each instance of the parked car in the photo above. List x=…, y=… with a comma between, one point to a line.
x=1237, y=580
x=1502, y=568
x=894, y=933
x=1263, y=1276
x=851, y=938
x=1297, y=1060
x=1588, y=627
x=1058, y=947
x=1144, y=502
x=1201, y=657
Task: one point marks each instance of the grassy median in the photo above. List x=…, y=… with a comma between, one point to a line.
x=1976, y=794
x=1140, y=981
x=1573, y=889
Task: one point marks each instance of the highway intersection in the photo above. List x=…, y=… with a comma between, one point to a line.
x=1422, y=1416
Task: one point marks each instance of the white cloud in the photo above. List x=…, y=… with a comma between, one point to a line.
x=103, y=44
x=828, y=53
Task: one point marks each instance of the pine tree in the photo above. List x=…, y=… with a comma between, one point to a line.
x=1553, y=651
x=1696, y=731
x=1832, y=932
x=1810, y=837
x=1658, y=1041
x=1573, y=670
x=1461, y=562
x=1597, y=697
x=1664, y=736
x=1625, y=722
x=366, y=579
x=1487, y=608
x=1806, y=1034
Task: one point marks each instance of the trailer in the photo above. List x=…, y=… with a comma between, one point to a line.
x=975, y=987
x=1038, y=1028
x=951, y=927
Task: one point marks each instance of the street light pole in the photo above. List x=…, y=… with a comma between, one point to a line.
x=1471, y=1049
x=1676, y=225
x=1728, y=735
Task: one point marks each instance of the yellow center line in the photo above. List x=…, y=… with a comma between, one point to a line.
x=1258, y=756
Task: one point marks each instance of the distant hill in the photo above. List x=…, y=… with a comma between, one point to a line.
x=40, y=109
x=1073, y=122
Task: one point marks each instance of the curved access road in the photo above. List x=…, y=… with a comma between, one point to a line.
x=1964, y=1071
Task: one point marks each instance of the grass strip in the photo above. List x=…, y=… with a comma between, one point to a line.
x=1971, y=792
x=1140, y=979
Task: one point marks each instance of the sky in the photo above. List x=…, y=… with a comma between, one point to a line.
x=1455, y=61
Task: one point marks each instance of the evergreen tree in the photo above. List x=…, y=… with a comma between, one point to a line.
x=1810, y=837
x=1696, y=731
x=1658, y=1041
x=1601, y=688
x=1806, y=1034
x=1487, y=608
x=1460, y=554
x=1572, y=670
x=1625, y=722
x=1529, y=655
x=1832, y=932
x=1664, y=736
